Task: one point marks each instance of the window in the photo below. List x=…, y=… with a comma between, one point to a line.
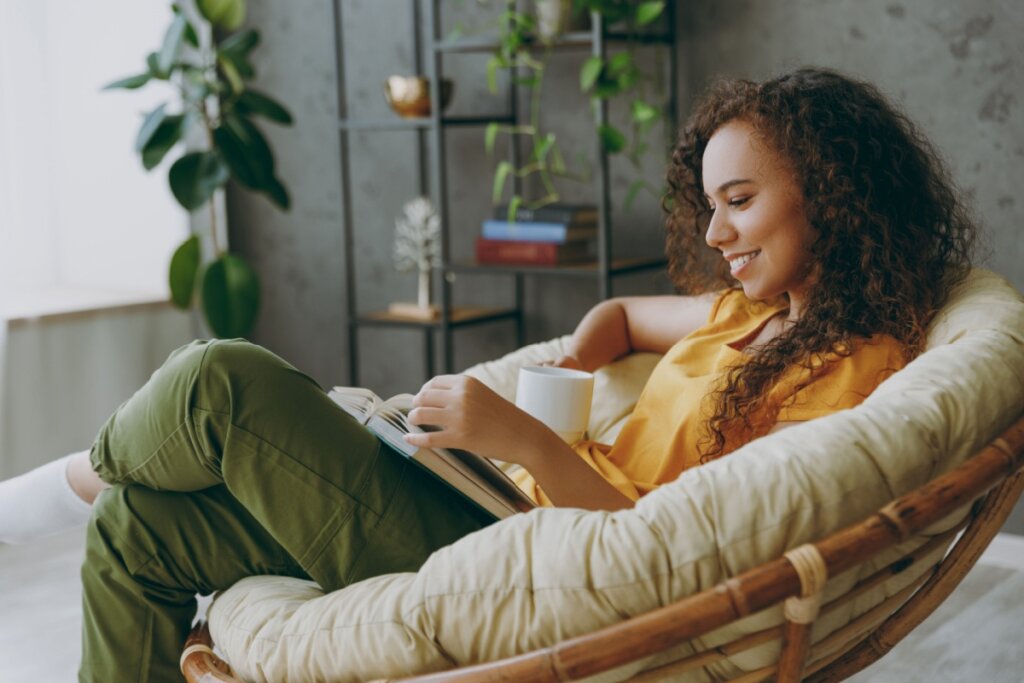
x=77, y=210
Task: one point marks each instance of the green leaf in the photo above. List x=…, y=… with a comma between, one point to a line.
x=172, y=44
x=490, y=134
x=619, y=63
x=153, y=62
x=557, y=161
x=513, y=207
x=627, y=79
x=231, y=74
x=241, y=43
x=236, y=48
x=149, y=126
x=182, y=273
x=166, y=135
x=129, y=83
x=493, y=64
x=643, y=112
x=500, y=175
x=253, y=102
x=191, y=36
x=278, y=193
x=612, y=140
x=246, y=152
x=194, y=178
x=543, y=146
x=228, y=14
x=589, y=72
x=249, y=157
x=646, y=12
x=231, y=296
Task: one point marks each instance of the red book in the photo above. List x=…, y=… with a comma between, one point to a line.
x=509, y=252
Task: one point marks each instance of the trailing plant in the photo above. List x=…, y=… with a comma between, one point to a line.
x=615, y=77
x=206, y=59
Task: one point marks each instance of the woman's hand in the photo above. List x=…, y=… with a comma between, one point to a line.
x=571, y=362
x=472, y=417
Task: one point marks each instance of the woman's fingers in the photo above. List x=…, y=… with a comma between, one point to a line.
x=427, y=440
x=437, y=398
x=442, y=382
x=429, y=416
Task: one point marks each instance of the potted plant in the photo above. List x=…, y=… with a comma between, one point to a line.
x=617, y=76
x=206, y=58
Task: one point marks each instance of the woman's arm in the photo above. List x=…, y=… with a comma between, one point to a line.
x=472, y=417
x=619, y=326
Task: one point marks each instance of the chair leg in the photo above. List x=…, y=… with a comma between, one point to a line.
x=198, y=662
x=796, y=639
x=801, y=612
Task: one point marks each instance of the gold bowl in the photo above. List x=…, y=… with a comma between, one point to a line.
x=409, y=96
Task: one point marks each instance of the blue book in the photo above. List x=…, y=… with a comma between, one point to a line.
x=536, y=231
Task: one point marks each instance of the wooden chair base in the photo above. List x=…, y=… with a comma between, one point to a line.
x=996, y=470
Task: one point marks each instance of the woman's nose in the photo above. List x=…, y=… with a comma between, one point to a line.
x=719, y=230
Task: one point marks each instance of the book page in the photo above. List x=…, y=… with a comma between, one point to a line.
x=358, y=402
x=389, y=420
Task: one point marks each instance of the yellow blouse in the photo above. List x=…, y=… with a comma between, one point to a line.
x=660, y=438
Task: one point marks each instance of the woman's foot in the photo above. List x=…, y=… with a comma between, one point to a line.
x=43, y=501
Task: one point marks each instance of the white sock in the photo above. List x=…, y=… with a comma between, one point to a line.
x=40, y=503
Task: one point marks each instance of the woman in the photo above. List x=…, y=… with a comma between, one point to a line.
x=820, y=199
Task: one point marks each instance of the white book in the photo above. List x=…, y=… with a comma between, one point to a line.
x=471, y=475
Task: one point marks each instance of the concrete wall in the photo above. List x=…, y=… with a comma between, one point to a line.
x=957, y=68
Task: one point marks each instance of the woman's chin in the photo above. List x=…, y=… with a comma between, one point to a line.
x=757, y=292
x=752, y=291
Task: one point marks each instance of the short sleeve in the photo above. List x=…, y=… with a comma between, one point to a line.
x=847, y=381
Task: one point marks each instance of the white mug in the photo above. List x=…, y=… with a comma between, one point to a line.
x=558, y=397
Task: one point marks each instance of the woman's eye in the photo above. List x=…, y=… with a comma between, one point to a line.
x=739, y=201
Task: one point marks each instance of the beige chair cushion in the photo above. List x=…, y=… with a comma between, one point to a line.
x=537, y=578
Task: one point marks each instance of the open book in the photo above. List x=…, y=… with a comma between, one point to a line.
x=473, y=476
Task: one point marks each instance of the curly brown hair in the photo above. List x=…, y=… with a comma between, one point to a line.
x=893, y=234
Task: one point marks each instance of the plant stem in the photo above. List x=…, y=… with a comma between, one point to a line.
x=543, y=169
x=208, y=128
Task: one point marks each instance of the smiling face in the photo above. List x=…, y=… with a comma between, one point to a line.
x=758, y=220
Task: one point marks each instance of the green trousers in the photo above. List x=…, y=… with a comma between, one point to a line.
x=230, y=463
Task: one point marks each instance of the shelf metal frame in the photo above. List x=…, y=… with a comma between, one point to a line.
x=433, y=180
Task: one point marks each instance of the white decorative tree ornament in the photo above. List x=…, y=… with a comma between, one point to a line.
x=418, y=245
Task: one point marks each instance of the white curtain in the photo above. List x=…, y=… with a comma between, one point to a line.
x=78, y=208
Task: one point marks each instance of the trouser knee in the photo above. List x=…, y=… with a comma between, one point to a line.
x=121, y=530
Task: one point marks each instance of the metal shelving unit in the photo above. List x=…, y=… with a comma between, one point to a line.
x=433, y=181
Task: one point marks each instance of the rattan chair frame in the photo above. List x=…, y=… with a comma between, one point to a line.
x=998, y=471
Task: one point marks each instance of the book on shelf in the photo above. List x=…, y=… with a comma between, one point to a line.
x=515, y=252
x=474, y=477
x=537, y=231
x=570, y=214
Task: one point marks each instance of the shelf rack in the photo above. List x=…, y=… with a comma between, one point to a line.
x=433, y=180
